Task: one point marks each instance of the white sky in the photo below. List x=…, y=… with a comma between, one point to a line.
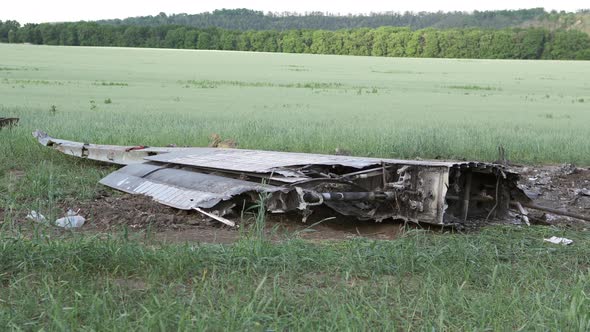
x=36, y=11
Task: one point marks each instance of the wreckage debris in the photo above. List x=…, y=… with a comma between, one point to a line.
x=559, y=240
x=36, y=216
x=8, y=122
x=71, y=220
x=215, y=180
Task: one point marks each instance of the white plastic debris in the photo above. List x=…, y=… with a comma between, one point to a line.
x=36, y=216
x=71, y=220
x=559, y=240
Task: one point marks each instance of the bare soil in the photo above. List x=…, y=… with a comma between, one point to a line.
x=139, y=213
x=564, y=187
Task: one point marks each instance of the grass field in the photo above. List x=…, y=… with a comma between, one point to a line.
x=371, y=106
x=502, y=278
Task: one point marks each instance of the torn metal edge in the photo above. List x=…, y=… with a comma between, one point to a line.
x=113, y=154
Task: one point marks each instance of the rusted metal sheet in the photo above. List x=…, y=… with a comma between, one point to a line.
x=435, y=192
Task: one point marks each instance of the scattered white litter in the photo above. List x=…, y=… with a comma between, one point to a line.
x=36, y=216
x=71, y=220
x=559, y=240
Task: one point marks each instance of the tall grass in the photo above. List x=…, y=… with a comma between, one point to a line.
x=501, y=279
x=452, y=109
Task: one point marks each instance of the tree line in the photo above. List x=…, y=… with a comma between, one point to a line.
x=246, y=19
x=509, y=43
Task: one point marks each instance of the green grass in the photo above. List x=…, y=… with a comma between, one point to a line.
x=175, y=96
x=499, y=279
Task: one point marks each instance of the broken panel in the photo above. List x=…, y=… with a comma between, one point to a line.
x=115, y=154
x=180, y=188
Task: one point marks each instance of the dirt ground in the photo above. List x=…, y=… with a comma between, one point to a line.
x=559, y=186
x=141, y=214
x=564, y=187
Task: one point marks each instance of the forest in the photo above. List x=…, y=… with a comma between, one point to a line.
x=508, y=34
x=476, y=43
x=246, y=19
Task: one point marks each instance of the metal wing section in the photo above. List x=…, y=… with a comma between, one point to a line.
x=436, y=192
x=258, y=161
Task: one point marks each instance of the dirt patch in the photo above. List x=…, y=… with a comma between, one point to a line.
x=112, y=212
x=147, y=218
x=564, y=187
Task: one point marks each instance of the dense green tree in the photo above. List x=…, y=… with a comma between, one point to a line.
x=292, y=42
x=398, y=41
x=245, y=19
x=319, y=42
x=228, y=40
x=502, y=45
x=49, y=34
x=431, y=43
x=307, y=38
x=89, y=34
x=472, y=43
x=12, y=38
x=205, y=42
x=380, y=37
x=568, y=45
x=335, y=42
x=245, y=41
x=134, y=36
x=191, y=38
x=175, y=38
x=5, y=28
x=583, y=55
x=415, y=44
x=69, y=35
x=530, y=43
x=357, y=42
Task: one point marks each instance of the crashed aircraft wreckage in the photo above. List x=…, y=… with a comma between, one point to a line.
x=214, y=180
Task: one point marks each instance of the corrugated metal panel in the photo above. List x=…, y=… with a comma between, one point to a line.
x=180, y=188
x=269, y=161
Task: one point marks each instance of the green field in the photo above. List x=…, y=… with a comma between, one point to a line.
x=501, y=278
x=407, y=108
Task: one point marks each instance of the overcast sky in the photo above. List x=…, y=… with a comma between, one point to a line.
x=36, y=11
